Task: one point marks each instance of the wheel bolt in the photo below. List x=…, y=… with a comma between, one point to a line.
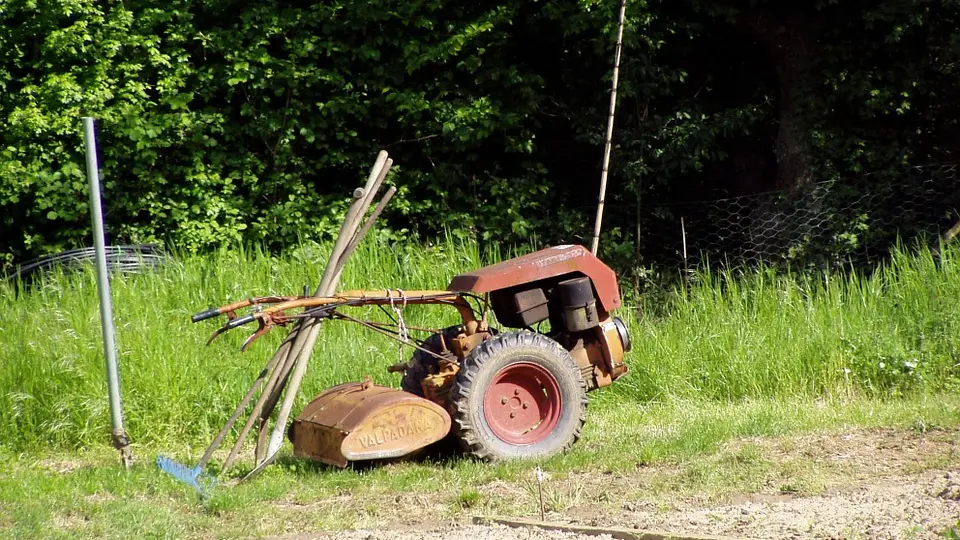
x=503, y=401
x=513, y=415
x=516, y=391
x=525, y=404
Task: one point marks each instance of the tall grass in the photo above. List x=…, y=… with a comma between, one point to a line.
x=52, y=375
x=760, y=333
x=727, y=336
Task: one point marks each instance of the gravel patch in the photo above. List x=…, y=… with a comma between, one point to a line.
x=454, y=532
x=920, y=506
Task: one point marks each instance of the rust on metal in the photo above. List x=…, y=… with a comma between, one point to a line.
x=599, y=356
x=544, y=264
x=437, y=386
x=230, y=310
x=362, y=421
x=326, y=306
x=589, y=358
x=464, y=344
x=377, y=298
x=261, y=331
x=612, y=347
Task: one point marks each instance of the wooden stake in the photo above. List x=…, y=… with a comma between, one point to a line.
x=612, y=532
x=310, y=328
x=951, y=233
x=686, y=269
x=608, y=143
x=280, y=356
x=292, y=349
x=947, y=237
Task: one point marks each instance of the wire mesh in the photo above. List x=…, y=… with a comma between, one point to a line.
x=827, y=224
x=127, y=259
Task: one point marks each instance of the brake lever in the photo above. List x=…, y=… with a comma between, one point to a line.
x=262, y=331
x=217, y=333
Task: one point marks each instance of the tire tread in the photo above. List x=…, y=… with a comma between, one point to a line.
x=471, y=442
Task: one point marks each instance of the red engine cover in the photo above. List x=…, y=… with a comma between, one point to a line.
x=544, y=264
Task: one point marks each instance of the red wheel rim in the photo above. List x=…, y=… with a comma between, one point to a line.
x=522, y=404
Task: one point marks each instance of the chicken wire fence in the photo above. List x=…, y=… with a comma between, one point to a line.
x=827, y=224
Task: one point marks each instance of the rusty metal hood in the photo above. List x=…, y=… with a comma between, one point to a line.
x=544, y=264
x=361, y=421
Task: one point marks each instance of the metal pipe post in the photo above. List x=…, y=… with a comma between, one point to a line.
x=118, y=434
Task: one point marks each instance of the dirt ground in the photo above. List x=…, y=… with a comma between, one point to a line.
x=916, y=506
x=862, y=484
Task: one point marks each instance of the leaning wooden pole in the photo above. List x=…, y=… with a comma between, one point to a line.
x=297, y=344
x=299, y=355
x=278, y=383
x=608, y=142
x=275, y=374
x=328, y=285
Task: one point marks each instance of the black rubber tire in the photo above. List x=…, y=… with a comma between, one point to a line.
x=477, y=372
x=423, y=364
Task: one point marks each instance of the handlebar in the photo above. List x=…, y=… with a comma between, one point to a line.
x=204, y=315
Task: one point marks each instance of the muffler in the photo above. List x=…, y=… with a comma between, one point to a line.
x=359, y=421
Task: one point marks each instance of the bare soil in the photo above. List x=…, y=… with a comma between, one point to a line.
x=860, y=484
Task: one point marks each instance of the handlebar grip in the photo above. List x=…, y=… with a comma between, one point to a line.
x=240, y=321
x=204, y=315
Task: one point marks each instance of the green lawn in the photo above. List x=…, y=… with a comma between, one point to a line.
x=731, y=355
x=673, y=450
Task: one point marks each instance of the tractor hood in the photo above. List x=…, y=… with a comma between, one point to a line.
x=547, y=263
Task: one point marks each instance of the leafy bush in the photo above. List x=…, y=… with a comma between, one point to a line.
x=222, y=120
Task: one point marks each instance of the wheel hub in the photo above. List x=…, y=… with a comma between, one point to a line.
x=522, y=404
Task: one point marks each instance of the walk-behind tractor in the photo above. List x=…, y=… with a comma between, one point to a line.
x=517, y=393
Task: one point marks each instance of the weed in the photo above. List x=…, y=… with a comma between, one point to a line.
x=469, y=498
x=952, y=532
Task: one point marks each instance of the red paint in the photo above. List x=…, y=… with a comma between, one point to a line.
x=544, y=264
x=522, y=404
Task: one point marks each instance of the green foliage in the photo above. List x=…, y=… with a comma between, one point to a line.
x=716, y=96
x=221, y=121
x=218, y=122
x=890, y=73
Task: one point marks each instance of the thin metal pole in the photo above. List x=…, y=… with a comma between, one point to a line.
x=686, y=269
x=609, y=139
x=118, y=434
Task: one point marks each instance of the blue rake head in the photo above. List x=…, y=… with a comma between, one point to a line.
x=188, y=475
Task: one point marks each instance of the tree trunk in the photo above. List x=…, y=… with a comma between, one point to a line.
x=788, y=39
x=790, y=43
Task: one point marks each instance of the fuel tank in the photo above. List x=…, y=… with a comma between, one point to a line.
x=362, y=421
